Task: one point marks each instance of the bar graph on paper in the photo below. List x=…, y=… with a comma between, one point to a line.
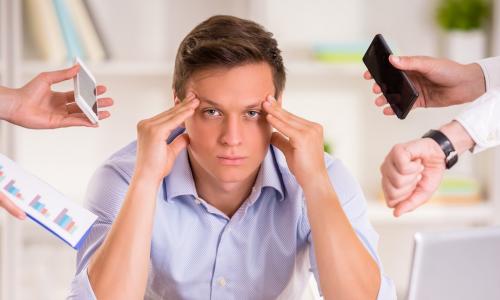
x=65, y=221
x=39, y=206
x=42, y=203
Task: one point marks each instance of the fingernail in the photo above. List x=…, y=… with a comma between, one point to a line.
x=395, y=58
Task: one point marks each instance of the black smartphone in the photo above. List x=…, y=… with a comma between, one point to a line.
x=395, y=84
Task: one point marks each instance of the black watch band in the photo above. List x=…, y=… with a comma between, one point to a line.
x=451, y=155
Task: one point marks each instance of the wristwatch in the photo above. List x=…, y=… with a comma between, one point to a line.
x=451, y=155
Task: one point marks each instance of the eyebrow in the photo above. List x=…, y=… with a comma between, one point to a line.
x=213, y=103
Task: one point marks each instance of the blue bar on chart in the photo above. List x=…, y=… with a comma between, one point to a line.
x=39, y=206
x=14, y=191
x=65, y=221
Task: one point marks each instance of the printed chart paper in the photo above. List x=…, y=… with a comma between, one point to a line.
x=45, y=205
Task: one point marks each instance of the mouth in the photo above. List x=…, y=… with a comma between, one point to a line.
x=231, y=160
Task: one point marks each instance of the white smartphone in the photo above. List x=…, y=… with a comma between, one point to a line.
x=85, y=92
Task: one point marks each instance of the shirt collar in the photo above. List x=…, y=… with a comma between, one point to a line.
x=180, y=181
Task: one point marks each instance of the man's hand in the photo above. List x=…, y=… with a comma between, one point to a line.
x=300, y=140
x=155, y=157
x=440, y=82
x=411, y=173
x=36, y=106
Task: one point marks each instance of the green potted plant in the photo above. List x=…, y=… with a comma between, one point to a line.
x=463, y=22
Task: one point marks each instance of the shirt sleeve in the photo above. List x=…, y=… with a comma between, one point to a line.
x=481, y=120
x=354, y=205
x=105, y=195
x=491, y=71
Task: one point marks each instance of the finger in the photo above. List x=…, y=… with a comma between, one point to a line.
x=170, y=122
x=104, y=114
x=376, y=89
x=281, y=142
x=189, y=102
x=73, y=108
x=76, y=119
x=104, y=102
x=421, y=64
x=416, y=200
x=380, y=100
x=70, y=95
x=404, y=161
x=367, y=75
x=283, y=127
x=100, y=89
x=271, y=107
x=399, y=181
x=174, y=113
x=61, y=75
x=179, y=143
x=388, y=196
x=11, y=208
x=388, y=111
x=397, y=195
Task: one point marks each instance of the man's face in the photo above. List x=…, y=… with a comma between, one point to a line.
x=229, y=134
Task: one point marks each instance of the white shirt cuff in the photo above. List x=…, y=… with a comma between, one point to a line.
x=481, y=120
x=491, y=71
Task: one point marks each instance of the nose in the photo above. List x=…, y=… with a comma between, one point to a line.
x=231, y=131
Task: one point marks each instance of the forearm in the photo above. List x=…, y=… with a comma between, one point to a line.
x=119, y=268
x=346, y=269
x=459, y=137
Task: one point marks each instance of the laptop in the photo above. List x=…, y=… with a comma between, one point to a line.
x=457, y=265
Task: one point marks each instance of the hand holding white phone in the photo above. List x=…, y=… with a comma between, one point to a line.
x=85, y=92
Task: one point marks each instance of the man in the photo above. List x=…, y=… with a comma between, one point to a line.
x=216, y=212
x=412, y=171
x=36, y=106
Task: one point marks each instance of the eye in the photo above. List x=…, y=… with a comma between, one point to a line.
x=253, y=114
x=212, y=112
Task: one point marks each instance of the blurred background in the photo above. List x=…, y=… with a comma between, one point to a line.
x=130, y=47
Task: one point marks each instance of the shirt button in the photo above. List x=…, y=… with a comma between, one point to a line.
x=222, y=282
x=197, y=201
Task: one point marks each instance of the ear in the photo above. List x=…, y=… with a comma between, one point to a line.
x=177, y=101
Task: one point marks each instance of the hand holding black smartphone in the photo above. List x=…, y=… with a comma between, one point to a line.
x=394, y=83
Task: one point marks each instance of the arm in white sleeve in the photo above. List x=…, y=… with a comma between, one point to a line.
x=481, y=119
x=491, y=71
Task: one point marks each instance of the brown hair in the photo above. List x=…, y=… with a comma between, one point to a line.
x=227, y=41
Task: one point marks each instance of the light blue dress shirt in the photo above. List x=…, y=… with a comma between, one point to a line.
x=263, y=252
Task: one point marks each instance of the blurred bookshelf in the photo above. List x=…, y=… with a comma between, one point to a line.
x=322, y=54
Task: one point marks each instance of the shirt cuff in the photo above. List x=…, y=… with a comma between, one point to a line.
x=491, y=71
x=480, y=120
x=81, y=288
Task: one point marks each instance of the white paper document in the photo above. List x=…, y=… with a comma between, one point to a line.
x=45, y=205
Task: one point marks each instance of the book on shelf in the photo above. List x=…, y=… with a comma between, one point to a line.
x=86, y=31
x=44, y=29
x=63, y=29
